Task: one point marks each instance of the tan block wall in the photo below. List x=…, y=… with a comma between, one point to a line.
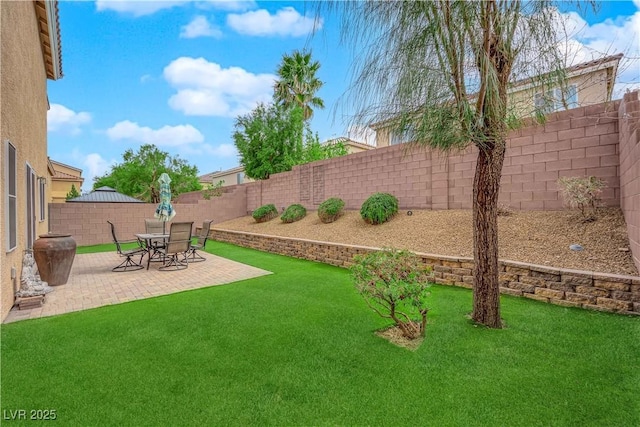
x=23, y=121
x=578, y=142
x=87, y=222
x=568, y=288
x=630, y=169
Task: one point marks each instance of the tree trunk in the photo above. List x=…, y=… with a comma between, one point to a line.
x=486, y=288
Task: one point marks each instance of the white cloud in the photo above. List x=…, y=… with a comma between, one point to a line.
x=94, y=165
x=200, y=27
x=622, y=35
x=224, y=150
x=286, y=22
x=167, y=136
x=62, y=119
x=136, y=8
x=145, y=78
x=206, y=89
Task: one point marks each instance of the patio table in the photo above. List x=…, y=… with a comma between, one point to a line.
x=148, y=238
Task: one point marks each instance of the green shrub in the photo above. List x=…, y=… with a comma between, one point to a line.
x=379, y=208
x=582, y=193
x=395, y=285
x=293, y=213
x=330, y=210
x=265, y=213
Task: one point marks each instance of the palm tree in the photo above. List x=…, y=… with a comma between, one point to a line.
x=298, y=83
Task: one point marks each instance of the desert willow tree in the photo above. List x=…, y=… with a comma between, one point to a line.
x=440, y=71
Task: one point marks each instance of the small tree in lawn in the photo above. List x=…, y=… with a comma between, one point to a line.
x=395, y=285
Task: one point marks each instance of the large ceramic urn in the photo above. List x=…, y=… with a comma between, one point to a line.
x=54, y=255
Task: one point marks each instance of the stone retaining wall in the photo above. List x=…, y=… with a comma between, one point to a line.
x=568, y=288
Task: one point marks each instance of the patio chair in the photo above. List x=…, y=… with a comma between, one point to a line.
x=153, y=226
x=174, y=253
x=129, y=263
x=192, y=254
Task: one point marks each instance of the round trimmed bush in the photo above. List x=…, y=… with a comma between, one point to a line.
x=330, y=210
x=265, y=213
x=379, y=208
x=293, y=213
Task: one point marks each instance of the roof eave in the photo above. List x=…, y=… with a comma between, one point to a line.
x=54, y=37
x=49, y=30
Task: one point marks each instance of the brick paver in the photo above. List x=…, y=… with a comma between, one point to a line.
x=92, y=283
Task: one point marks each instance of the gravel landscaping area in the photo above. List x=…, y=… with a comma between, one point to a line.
x=536, y=237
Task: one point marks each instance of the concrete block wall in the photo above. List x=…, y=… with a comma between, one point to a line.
x=87, y=222
x=629, y=114
x=578, y=142
x=568, y=288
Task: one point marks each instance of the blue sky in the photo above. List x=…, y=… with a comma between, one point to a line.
x=177, y=73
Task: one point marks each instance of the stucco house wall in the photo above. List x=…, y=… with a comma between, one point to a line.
x=63, y=178
x=592, y=89
x=23, y=122
x=230, y=177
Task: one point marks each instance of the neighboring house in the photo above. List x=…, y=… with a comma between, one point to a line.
x=64, y=177
x=351, y=145
x=104, y=195
x=30, y=55
x=588, y=83
x=236, y=175
x=230, y=177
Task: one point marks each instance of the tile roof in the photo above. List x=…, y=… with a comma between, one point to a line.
x=62, y=175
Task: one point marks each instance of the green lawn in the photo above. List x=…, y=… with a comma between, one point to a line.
x=297, y=348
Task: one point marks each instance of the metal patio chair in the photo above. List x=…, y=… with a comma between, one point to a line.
x=174, y=253
x=129, y=263
x=153, y=226
x=192, y=254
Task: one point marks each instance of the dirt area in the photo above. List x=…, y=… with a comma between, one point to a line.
x=394, y=335
x=536, y=237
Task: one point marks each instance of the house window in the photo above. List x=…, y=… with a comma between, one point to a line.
x=42, y=196
x=11, y=179
x=240, y=177
x=398, y=136
x=554, y=99
x=31, y=206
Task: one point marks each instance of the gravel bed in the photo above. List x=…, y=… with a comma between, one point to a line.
x=536, y=237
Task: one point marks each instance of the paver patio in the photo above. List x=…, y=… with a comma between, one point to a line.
x=92, y=283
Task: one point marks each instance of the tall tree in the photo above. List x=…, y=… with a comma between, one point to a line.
x=269, y=140
x=298, y=83
x=137, y=175
x=440, y=70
